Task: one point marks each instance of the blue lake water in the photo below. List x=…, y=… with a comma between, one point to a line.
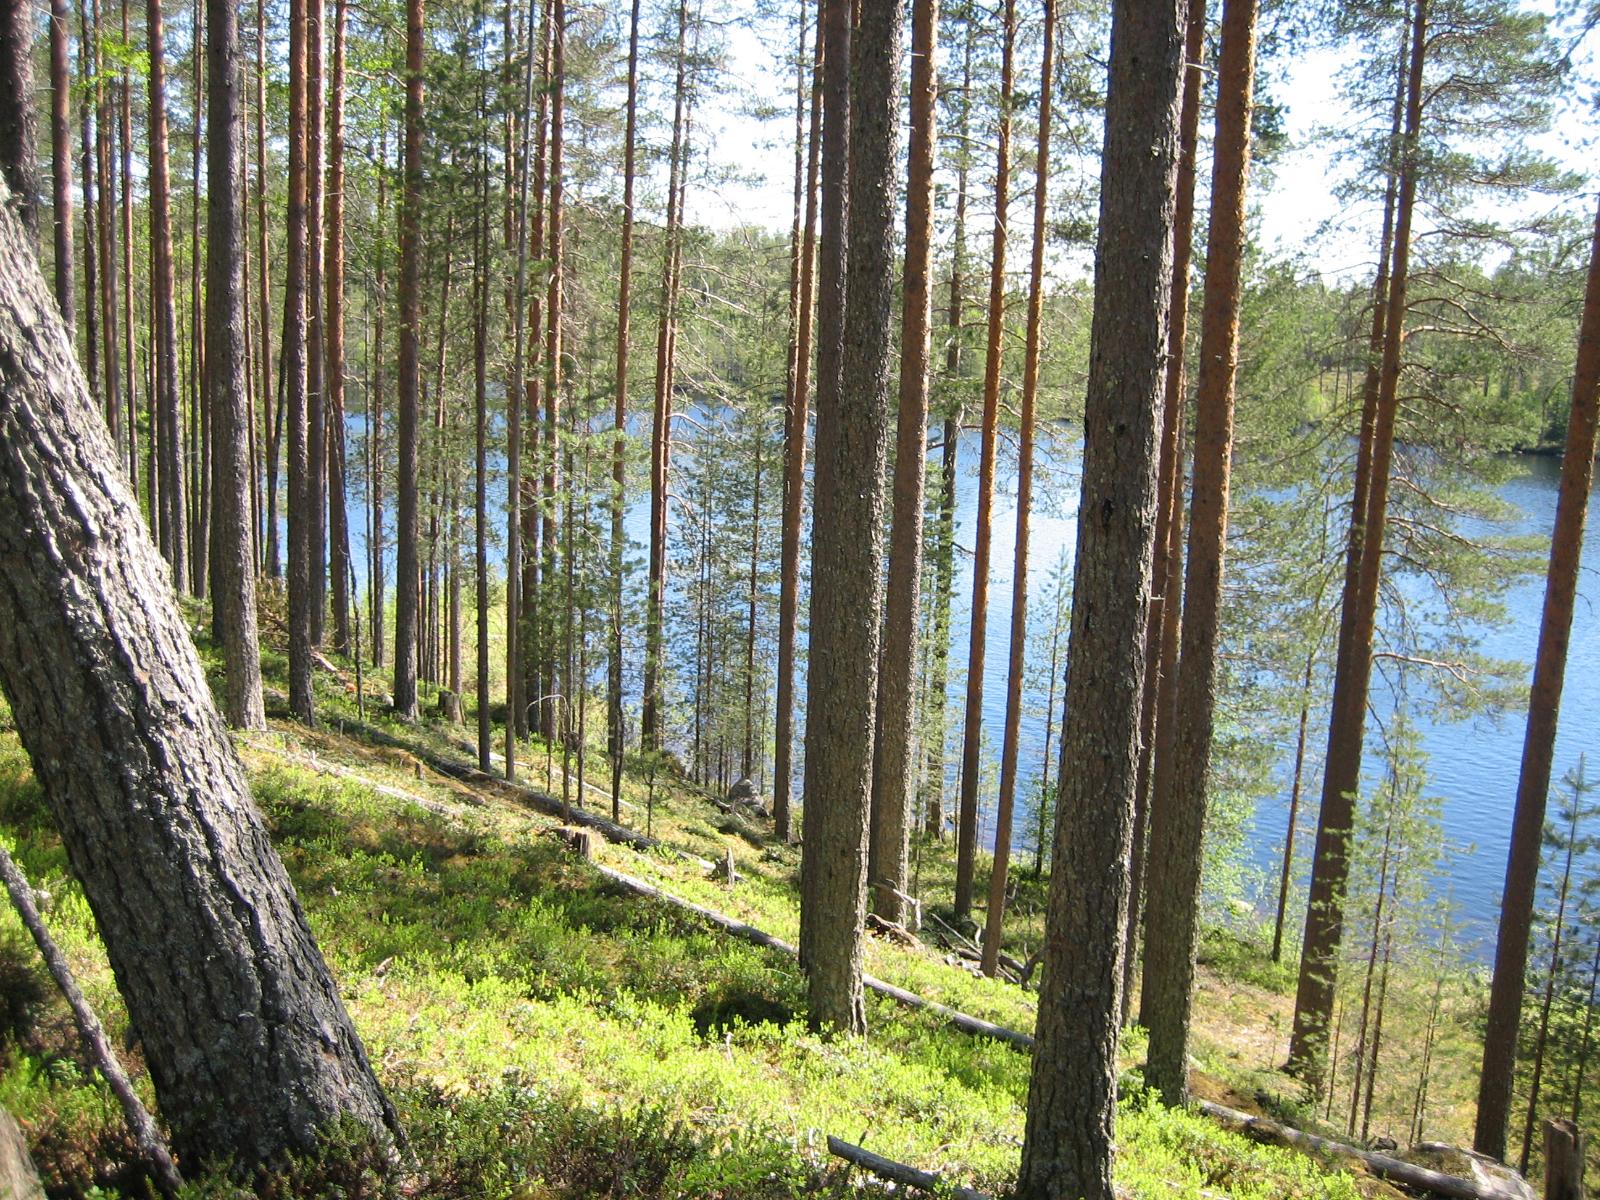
x=1472, y=763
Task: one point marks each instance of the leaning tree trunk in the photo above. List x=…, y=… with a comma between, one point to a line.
x=233, y=576
x=1538, y=747
x=248, y=1044
x=1072, y=1099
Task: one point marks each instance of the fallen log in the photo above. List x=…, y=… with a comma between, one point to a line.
x=721, y=920
x=152, y=1146
x=496, y=757
x=549, y=805
x=1395, y=1169
x=312, y=763
x=962, y=1021
x=1407, y=1174
x=897, y=1172
x=1398, y=1170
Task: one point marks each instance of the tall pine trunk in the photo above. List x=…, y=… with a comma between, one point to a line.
x=1068, y=1142
x=301, y=702
x=1158, y=706
x=169, y=431
x=1010, y=747
x=480, y=438
x=861, y=94
x=125, y=179
x=61, y=160
x=375, y=427
x=553, y=438
x=978, y=619
x=794, y=467
x=661, y=426
x=18, y=162
x=1342, y=774
x=616, y=740
x=1538, y=746
x=945, y=521
x=338, y=512
x=406, y=581
x=316, y=313
x=233, y=576
x=1177, y=817
x=271, y=401
x=892, y=775
x=105, y=225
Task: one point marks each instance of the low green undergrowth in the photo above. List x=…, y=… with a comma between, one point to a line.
x=545, y=1033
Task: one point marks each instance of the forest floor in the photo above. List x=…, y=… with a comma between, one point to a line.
x=546, y=1033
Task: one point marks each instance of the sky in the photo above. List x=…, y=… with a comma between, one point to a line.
x=1297, y=211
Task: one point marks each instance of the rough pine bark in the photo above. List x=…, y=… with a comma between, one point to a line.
x=861, y=92
x=893, y=767
x=301, y=702
x=1177, y=818
x=247, y=1042
x=233, y=569
x=1538, y=745
x=18, y=165
x=1068, y=1143
x=406, y=582
x=1160, y=699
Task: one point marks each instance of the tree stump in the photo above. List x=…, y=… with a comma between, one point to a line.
x=450, y=707
x=725, y=871
x=1563, y=1160
x=577, y=839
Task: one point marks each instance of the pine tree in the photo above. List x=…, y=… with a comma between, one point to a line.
x=1067, y=1146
